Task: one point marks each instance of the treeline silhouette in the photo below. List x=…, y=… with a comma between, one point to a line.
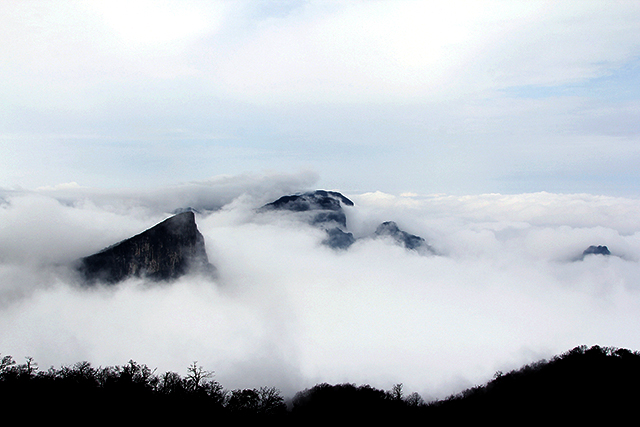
x=581, y=385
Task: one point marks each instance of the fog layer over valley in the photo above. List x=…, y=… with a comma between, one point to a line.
x=508, y=284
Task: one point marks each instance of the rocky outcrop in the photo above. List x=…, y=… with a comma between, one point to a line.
x=338, y=239
x=402, y=238
x=322, y=209
x=166, y=251
x=325, y=207
x=596, y=250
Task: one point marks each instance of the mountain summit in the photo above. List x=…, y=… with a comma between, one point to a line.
x=596, y=250
x=322, y=209
x=166, y=251
x=325, y=205
x=409, y=241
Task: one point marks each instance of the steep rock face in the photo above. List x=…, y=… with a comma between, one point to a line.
x=338, y=239
x=166, y=251
x=322, y=209
x=409, y=241
x=316, y=200
x=325, y=206
x=594, y=250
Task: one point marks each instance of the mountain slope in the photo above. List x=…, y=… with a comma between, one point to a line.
x=166, y=251
x=322, y=209
x=577, y=386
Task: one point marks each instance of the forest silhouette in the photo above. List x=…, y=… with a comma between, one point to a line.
x=585, y=384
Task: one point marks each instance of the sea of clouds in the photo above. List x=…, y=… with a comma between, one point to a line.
x=507, y=287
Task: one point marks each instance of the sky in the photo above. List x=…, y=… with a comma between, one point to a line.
x=504, y=133
x=457, y=97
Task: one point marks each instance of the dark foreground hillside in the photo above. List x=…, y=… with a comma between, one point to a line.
x=583, y=385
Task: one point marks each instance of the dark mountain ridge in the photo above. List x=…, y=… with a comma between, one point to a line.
x=325, y=206
x=582, y=385
x=402, y=238
x=324, y=209
x=166, y=251
x=175, y=246
x=596, y=250
x=315, y=200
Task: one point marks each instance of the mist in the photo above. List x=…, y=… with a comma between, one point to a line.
x=507, y=287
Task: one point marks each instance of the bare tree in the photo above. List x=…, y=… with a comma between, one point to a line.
x=414, y=399
x=396, y=391
x=244, y=401
x=30, y=367
x=171, y=383
x=196, y=375
x=6, y=363
x=271, y=401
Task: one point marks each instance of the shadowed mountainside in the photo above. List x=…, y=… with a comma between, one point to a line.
x=596, y=250
x=581, y=385
x=402, y=238
x=324, y=209
x=166, y=251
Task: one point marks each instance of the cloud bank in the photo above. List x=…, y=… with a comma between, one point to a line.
x=289, y=312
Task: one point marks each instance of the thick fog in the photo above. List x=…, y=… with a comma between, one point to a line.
x=507, y=287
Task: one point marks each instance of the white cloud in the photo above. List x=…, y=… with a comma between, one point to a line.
x=354, y=52
x=289, y=312
x=426, y=51
x=419, y=96
x=157, y=23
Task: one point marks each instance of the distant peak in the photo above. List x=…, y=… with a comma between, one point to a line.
x=596, y=250
x=314, y=200
x=409, y=241
x=387, y=227
x=187, y=209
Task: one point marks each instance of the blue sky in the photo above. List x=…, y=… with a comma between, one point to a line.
x=462, y=97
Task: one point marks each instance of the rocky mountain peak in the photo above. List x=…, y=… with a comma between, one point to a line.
x=314, y=200
x=596, y=250
x=166, y=251
x=409, y=241
x=322, y=209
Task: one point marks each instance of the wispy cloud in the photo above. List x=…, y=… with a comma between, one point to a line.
x=466, y=97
